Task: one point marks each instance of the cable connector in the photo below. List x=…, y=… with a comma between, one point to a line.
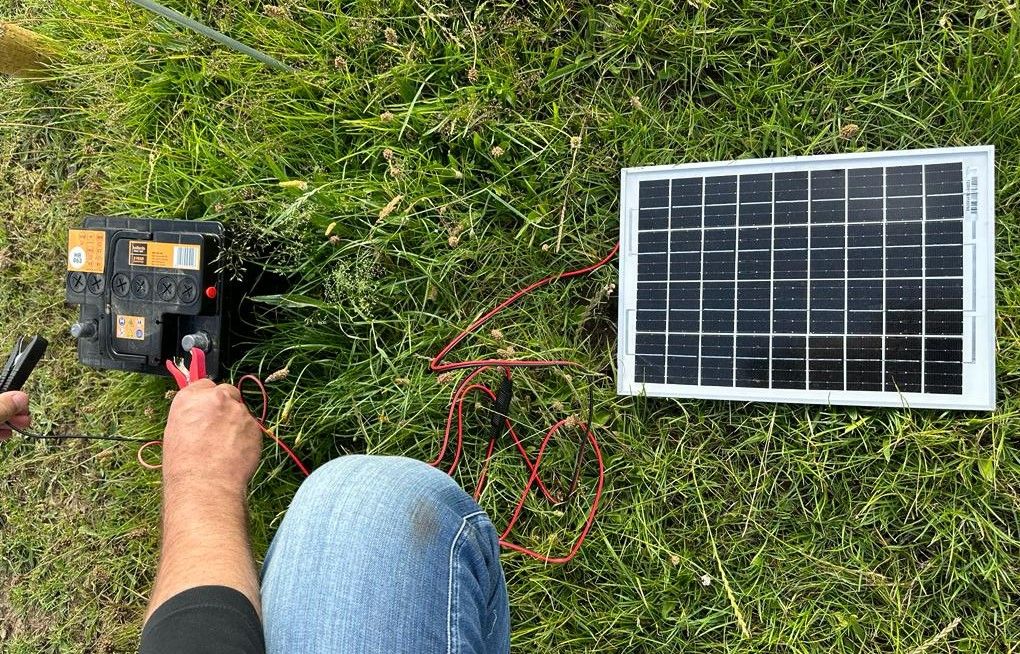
x=501, y=407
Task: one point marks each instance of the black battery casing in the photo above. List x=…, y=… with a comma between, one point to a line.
x=160, y=281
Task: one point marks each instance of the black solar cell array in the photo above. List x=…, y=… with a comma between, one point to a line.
x=843, y=279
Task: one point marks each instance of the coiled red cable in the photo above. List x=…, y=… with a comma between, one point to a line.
x=261, y=421
x=456, y=412
x=469, y=385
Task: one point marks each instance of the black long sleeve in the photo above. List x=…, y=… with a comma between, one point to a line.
x=207, y=619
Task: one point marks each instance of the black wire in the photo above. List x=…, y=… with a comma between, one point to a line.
x=79, y=437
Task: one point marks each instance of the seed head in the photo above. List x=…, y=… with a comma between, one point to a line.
x=390, y=206
x=573, y=421
x=849, y=131
x=279, y=375
x=391, y=35
x=497, y=151
x=386, y=116
x=387, y=154
x=276, y=11
x=575, y=142
x=472, y=74
x=635, y=102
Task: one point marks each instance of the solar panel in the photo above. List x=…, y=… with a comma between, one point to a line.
x=862, y=279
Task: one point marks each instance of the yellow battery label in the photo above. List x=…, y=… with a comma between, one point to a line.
x=131, y=328
x=86, y=251
x=153, y=254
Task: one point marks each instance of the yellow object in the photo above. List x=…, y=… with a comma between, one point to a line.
x=131, y=328
x=86, y=251
x=22, y=52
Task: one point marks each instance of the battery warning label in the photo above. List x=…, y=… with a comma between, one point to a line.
x=86, y=251
x=131, y=328
x=153, y=254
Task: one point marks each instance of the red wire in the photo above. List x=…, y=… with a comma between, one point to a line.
x=468, y=385
x=260, y=421
x=460, y=392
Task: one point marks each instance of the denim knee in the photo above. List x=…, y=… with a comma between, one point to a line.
x=363, y=474
x=384, y=554
x=368, y=489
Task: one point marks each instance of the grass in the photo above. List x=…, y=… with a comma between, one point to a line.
x=501, y=128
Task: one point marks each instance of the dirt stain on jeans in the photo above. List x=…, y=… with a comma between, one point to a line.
x=424, y=521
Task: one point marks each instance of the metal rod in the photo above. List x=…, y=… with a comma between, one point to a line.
x=209, y=32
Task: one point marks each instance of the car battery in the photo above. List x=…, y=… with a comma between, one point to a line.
x=148, y=290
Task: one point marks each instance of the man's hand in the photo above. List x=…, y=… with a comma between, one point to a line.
x=211, y=441
x=13, y=410
x=210, y=451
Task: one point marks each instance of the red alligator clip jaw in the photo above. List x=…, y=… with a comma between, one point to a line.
x=193, y=374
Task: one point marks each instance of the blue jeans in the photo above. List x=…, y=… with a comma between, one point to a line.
x=384, y=555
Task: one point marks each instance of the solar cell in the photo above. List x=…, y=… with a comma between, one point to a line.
x=854, y=279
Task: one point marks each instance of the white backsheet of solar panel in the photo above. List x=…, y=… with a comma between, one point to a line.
x=978, y=339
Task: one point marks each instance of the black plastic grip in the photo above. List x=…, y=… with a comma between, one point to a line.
x=501, y=407
x=28, y=351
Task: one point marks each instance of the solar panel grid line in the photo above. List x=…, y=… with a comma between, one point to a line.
x=807, y=286
x=669, y=283
x=701, y=285
x=885, y=209
x=827, y=353
x=924, y=269
x=736, y=279
x=772, y=280
x=846, y=275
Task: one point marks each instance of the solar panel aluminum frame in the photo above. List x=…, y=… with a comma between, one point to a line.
x=978, y=347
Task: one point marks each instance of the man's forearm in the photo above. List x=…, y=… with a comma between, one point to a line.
x=205, y=542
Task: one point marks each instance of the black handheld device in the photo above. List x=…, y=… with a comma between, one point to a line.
x=28, y=350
